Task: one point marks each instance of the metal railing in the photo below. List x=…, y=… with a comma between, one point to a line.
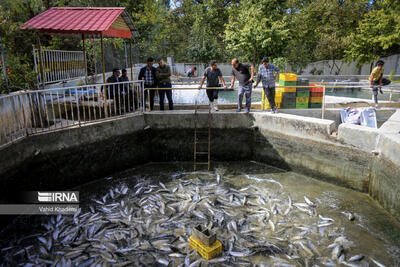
x=58, y=65
x=36, y=111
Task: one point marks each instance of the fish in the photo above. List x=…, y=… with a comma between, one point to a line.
x=356, y=257
x=350, y=264
x=195, y=263
x=337, y=251
x=150, y=223
x=176, y=255
x=377, y=263
x=271, y=225
x=238, y=254
x=163, y=261
x=273, y=181
x=309, y=202
x=325, y=224
x=218, y=178
x=325, y=218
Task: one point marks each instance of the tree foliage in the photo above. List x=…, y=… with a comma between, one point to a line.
x=296, y=32
x=257, y=28
x=377, y=34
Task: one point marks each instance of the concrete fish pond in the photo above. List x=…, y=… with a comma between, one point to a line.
x=262, y=215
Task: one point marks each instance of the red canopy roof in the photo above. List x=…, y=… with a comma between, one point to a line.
x=92, y=21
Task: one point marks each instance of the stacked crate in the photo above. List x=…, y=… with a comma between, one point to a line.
x=316, y=95
x=302, y=93
x=288, y=93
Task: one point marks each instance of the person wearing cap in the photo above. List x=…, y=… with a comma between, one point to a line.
x=376, y=81
x=163, y=76
x=213, y=74
x=266, y=74
x=244, y=73
x=148, y=74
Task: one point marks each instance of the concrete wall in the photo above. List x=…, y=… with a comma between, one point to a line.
x=338, y=67
x=69, y=157
x=384, y=145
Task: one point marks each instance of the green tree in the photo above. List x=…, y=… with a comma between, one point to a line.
x=377, y=34
x=320, y=29
x=207, y=33
x=256, y=29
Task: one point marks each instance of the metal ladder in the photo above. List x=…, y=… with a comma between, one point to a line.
x=200, y=139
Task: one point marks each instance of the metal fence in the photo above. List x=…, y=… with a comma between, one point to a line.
x=58, y=65
x=36, y=111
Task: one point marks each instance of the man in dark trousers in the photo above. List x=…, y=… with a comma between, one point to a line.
x=244, y=73
x=163, y=76
x=376, y=81
x=266, y=74
x=148, y=74
x=114, y=91
x=213, y=75
x=129, y=97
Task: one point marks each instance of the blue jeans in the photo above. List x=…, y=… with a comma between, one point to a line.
x=245, y=89
x=162, y=93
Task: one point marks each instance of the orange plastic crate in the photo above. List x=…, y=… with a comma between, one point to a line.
x=316, y=89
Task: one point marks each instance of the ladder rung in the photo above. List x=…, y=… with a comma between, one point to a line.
x=201, y=163
x=201, y=131
x=201, y=142
x=202, y=153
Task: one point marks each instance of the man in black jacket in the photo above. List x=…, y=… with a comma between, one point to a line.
x=130, y=96
x=148, y=74
x=114, y=91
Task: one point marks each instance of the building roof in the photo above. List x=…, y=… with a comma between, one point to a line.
x=91, y=21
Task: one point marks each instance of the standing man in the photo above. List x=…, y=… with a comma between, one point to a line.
x=212, y=74
x=244, y=73
x=129, y=97
x=376, y=80
x=266, y=74
x=148, y=74
x=163, y=76
x=114, y=90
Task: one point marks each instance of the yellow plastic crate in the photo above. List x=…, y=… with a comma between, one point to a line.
x=265, y=103
x=287, y=89
x=301, y=99
x=207, y=252
x=316, y=99
x=287, y=77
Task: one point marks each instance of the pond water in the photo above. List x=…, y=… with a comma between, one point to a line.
x=231, y=96
x=263, y=216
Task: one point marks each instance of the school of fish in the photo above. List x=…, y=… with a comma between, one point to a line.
x=149, y=224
